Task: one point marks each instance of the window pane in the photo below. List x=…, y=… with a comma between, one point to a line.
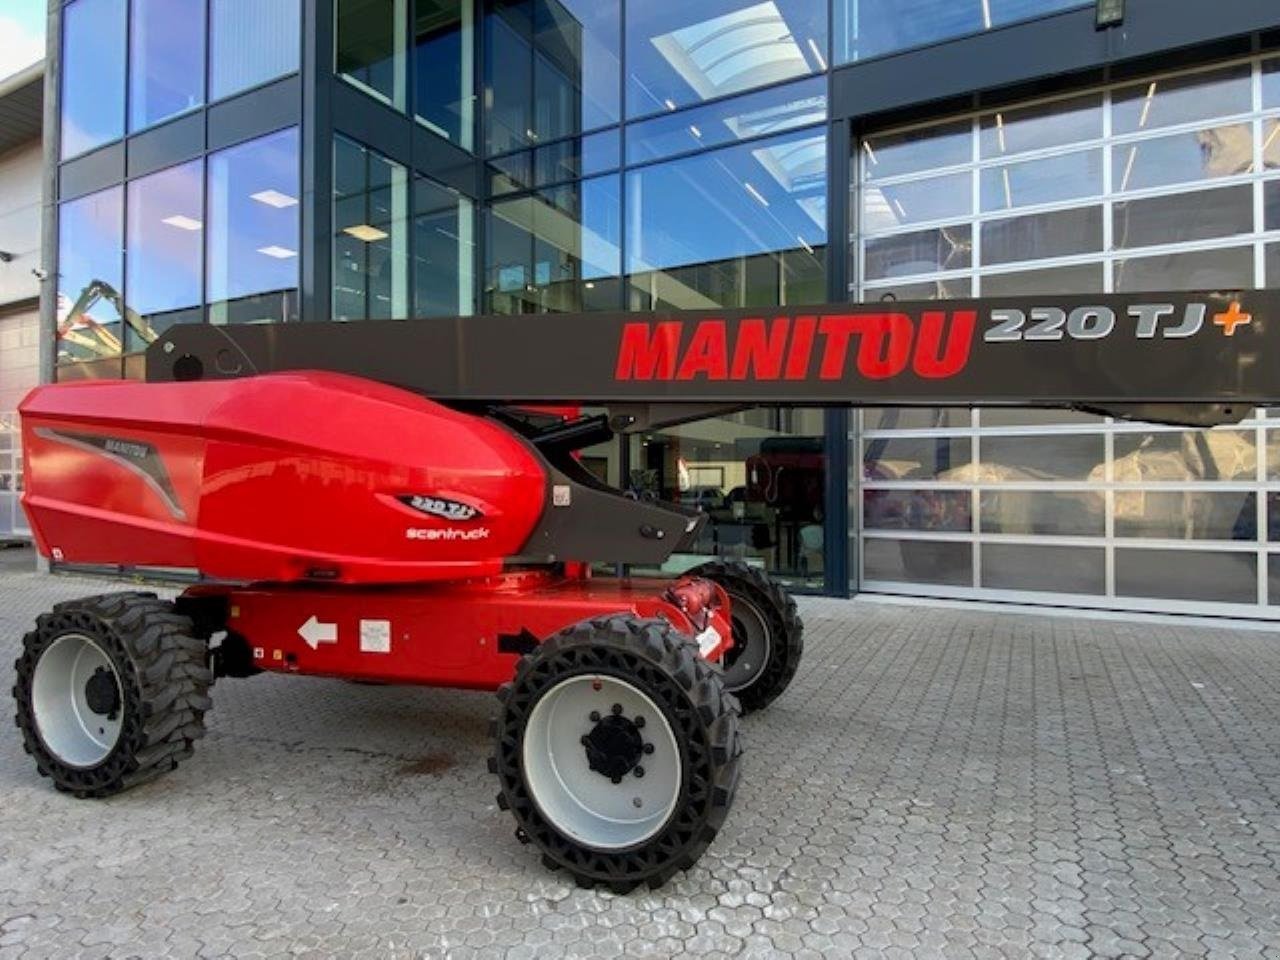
x=253, y=231
x=1183, y=157
x=93, y=52
x=915, y=458
x=758, y=476
x=1066, y=457
x=916, y=201
x=165, y=243
x=1044, y=514
x=1181, y=455
x=1198, y=270
x=1187, y=575
x=1271, y=204
x=370, y=239
x=681, y=53
x=1055, y=569
x=748, y=222
x=1050, y=180
x=938, y=510
x=1183, y=99
x=371, y=47
x=443, y=69
x=250, y=43
x=1181, y=217
x=443, y=251
x=166, y=59
x=90, y=276
x=1273, y=536
x=918, y=561
x=1272, y=254
x=551, y=70
x=1273, y=579
x=872, y=28
x=1030, y=417
x=925, y=251
x=916, y=418
x=739, y=118
x=1041, y=235
x=951, y=289
x=1186, y=515
x=1271, y=89
x=1040, y=126
x=1045, y=282
x=558, y=250
x=916, y=151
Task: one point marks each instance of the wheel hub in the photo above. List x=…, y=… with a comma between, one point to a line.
x=614, y=746
x=102, y=694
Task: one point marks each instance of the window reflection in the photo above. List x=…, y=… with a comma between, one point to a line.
x=551, y=70
x=165, y=241
x=443, y=251
x=443, y=69
x=253, y=231
x=370, y=240
x=1184, y=157
x=91, y=276
x=872, y=28
x=93, y=51
x=759, y=476
x=555, y=250
x=372, y=46
x=251, y=42
x=681, y=53
x=166, y=59
x=740, y=226
x=1182, y=99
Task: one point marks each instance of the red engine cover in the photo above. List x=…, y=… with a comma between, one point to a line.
x=279, y=477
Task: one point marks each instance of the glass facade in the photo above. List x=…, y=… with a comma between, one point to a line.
x=873, y=28
x=371, y=234
x=250, y=43
x=252, y=255
x=565, y=155
x=1161, y=184
x=93, y=58
x=166, y=59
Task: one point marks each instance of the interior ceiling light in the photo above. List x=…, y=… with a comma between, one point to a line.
x=747, y=48
x=182, y=222
x=274, y=198
x=365, y=232
x=280, y=253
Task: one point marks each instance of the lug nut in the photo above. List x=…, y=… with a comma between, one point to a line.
x=617, y=709
x=638, y=771
x=594, y=716
x=639, y=722
x=648, y=747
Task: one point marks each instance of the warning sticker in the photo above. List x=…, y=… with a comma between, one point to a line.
x=375, y=636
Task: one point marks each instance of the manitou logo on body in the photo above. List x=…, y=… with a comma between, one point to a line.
x=448, y=533
x=440, y=507
x=139, y=451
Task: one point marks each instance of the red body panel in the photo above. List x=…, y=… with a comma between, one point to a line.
x=442, y=634
x=280, y=477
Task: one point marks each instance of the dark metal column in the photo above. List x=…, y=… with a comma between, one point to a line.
x=316, y=138
x=837, y=545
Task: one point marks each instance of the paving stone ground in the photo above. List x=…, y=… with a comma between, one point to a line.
x=937, y=783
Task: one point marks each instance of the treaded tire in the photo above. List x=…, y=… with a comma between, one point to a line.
x=703, y=716
x=165, y=681
x=786, y=630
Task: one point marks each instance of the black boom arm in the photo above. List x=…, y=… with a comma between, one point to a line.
x=1190, y=358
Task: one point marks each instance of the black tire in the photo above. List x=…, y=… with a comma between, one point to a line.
x=665, y=666
x=755, y=589
x=163, y=689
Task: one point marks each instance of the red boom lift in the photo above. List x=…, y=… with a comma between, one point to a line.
x=395, y=501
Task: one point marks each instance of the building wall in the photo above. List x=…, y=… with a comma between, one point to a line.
x=19, y=287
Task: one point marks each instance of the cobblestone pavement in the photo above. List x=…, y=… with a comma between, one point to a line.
x=937, y=783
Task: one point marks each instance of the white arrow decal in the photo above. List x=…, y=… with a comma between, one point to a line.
x=316, y=633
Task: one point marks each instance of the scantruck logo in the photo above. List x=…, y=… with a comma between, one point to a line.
x=932, y=345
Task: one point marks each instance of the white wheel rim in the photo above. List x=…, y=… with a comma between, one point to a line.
x=745, y=661
x=577, y=800
x=68, y=725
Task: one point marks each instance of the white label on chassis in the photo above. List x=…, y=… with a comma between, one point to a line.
x=708, y=640
x=375, y=636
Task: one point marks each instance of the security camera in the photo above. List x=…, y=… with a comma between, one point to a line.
x=40, y=273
